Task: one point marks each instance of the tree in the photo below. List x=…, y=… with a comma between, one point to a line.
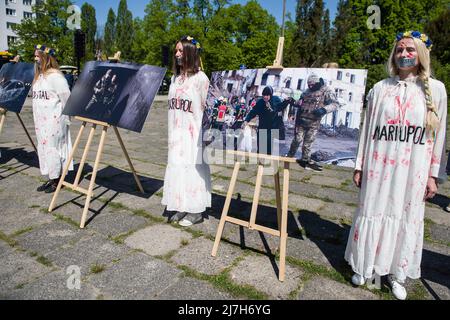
x=257, y=35
x=110, y=33
x=156, y=27
x=48, y=29
x=124, y=30
x=439, y=33
x=205, y=10
x=307, y=47
x=326, y=39
x=139, y=47
x=89, y=27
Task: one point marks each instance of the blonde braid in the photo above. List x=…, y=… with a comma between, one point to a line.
x=432, y=119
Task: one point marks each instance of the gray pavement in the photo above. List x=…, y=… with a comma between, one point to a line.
x=129, y=251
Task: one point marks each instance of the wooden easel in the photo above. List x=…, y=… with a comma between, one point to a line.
x=3, y=112
x=75, y=186
x=278, y=62
x=282, y=203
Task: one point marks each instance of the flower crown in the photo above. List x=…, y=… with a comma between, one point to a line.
x=45, y=49
x=192, y=40
x=417, y=35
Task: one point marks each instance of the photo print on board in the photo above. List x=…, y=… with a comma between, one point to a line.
x=15, y=83
x=325, y=103
x=119, y=94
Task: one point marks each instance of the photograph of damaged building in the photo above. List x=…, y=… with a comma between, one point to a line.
x=337, y=140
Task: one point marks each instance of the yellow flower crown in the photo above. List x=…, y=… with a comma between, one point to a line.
x=192, y=40
x=416, y=34
x=45, y=49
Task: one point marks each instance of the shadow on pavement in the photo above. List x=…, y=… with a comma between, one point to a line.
x=112, y=179
x=24, y=160
x=331, y=239
x=440, y=200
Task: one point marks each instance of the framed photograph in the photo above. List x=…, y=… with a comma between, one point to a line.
x=119, y=94
x=338, y=93
x=15, y=83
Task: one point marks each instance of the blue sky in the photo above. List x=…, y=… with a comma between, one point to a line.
x=137, y=7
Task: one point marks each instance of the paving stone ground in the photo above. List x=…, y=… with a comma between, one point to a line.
x=128, y=251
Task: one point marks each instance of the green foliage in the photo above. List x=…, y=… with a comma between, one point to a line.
x=308, y=47
x=89, y=27
x=438, y=30
x=124, y=30
x=156, y=26
x=442, y=73
x=110, y=31
x=48, y=29
x=230, y=35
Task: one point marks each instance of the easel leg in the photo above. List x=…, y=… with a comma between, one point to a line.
x=2, y=119
x=278, y=196
x=136, y=178
x=85, y=154
x=256, y=196
x=94, y=175
x=226, y=208
x=66, y=169
x=26, y=131
x=284, y=215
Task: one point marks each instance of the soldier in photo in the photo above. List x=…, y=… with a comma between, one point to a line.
x=315, y=102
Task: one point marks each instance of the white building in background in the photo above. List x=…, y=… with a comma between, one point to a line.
x=12, y=12
x=348, y=84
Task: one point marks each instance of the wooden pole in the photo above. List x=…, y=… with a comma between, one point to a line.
x=226, y=207
x=256, y=196
x=136, y=178
x=2, y=119
x=26, y=131
x=93, y=177
x=85, y=154
x=278, y=197
x=66, y=169
x=283, y=228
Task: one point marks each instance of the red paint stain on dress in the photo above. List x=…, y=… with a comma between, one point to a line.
x=191, y=131
x=356, y=237
x=376, y=155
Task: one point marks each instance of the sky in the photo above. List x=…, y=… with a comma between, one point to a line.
x=137, y=7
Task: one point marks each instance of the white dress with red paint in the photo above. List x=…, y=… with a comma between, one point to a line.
x=396, y=157
x=187, y=181
x=50, y=94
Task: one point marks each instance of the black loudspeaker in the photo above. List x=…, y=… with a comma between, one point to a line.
x=79, y=43
x=165, y=55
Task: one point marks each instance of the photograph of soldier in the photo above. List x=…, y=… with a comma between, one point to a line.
x=341, y=93
x=119, y=94
x=315, y=102
x=15, y=83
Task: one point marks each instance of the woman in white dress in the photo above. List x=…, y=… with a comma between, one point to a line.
x=187, y=181
x=50, y=94
x=397, y=166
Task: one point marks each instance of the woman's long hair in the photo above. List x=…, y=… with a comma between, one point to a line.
x=190, y=60
x=424, y=73
x=48, y=62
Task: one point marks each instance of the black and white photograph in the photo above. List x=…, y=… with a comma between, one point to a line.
x=15, y=83
x=119, y=94
x=315, y=112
